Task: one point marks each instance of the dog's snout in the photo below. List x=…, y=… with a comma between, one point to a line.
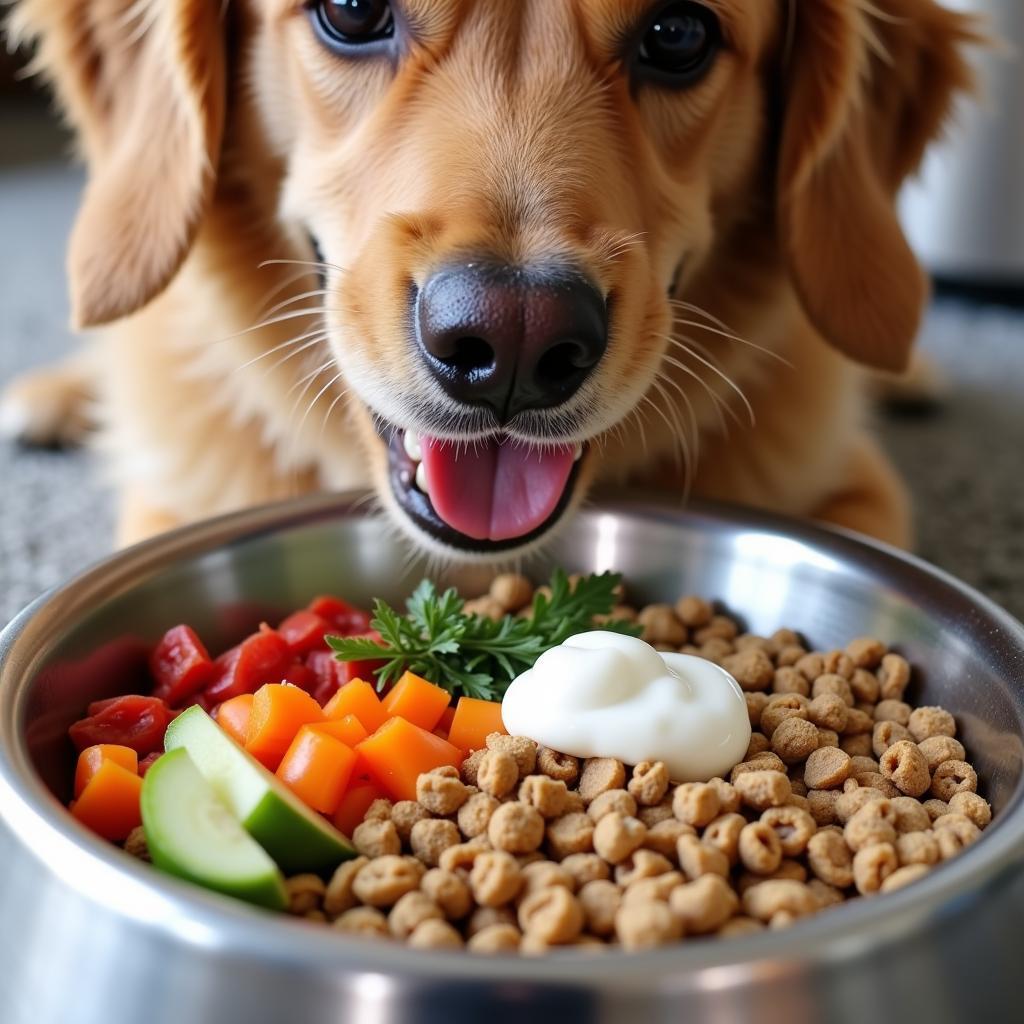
x=510, y=338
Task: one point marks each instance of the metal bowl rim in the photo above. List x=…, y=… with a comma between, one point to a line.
x=206, y=920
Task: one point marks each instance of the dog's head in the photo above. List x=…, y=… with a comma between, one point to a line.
x=507, y=194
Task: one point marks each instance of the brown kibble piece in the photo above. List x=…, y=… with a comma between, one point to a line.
x=601, y=774
x=738, y=926
x=435, y=934
x=411, y=910
x=487, y=917
x=495, y=938
x=793, y=825
x=756, y=703
x=830, y=859
x=759, y=744
x=821, y=805
x=704, y=905
x=617, y=835
x=834, y=684
x=305, y=893
x=859, y=745
x=516, y=827
x=838, y=663
x=906, y=767
x=763, y=789
x=441, y=792
x=553, y=915
x=759, y=848
x=449, y=891
x=917, y=848
x=885, y=734
x=849, y=803
x=366, y=922
x=858, y=722
x=866, y=652
x=563, y=767
x=338, y=896
x=874, y=823
x=695, y=803
x=724, y=834
x=613, y=800
x=381, y=882
x=135, y=845
x=728, y=798
x=546, y=795
x=698, y=858
x=954, y=832
x=765, y=900
x=826, y=768
x=788, y=680
x=649, y=783
x=794, y=740
x=475, y=814
x=600, y=901
x=495, y=878
x=892, y=711
x=763, y=762
x=643, y=864
x=647, y=925
x=937, y=749
x=571, y=833
x=972, y=806
x=376, y=838
x=656, y=888
x=404, y=815
x=511, y=590
x=585, y=867
x=497, y=773
x=893, y=677
x=661, y=626
x=953, y=777
x=470, y=767
x=522, y=749
x=910, y=815
x=828, y=711
x=752, y=669
x=431, y=837
x=826, y=895
x=664, y=835
x=872, y=865
x=379, y=810
x=693, y=612
x=904, y=876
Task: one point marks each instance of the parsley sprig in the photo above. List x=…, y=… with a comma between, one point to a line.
x=473, y=655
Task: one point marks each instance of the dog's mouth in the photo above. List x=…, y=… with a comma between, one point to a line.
x=492, y=494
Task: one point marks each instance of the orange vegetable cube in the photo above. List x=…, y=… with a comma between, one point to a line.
x=348, y=729
x=474, y=721
x=354, y=805
x=278, y=712
x=317, y=766
x=417, y=701
x=109, y=804
x=90, y=759
x=233, y=716
x=399, y=752
x=357, y=698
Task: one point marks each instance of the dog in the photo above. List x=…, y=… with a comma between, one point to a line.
x=490, y=256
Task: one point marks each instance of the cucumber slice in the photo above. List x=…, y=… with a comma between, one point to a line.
x=191, y=833
x=297, y=838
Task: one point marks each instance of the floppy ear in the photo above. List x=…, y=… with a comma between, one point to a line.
x=143, y=84
x=866, y=87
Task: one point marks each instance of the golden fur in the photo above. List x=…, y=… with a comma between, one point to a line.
x=216, y=138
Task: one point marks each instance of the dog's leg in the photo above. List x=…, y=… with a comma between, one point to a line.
x=49, y=406
x=872, y=499
x=139, y=520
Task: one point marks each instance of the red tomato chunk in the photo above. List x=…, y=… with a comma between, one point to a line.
x=261, y=658
x=345, y=618
x=133, y=721
x=304, y=631
x=180, y=665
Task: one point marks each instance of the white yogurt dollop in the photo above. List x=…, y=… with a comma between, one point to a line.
x=603, y=694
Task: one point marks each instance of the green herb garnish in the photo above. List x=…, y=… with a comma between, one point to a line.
x=472, y=654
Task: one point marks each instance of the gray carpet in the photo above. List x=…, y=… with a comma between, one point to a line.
x=964, y=464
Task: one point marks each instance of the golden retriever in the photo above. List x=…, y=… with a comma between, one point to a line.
x=488, y=254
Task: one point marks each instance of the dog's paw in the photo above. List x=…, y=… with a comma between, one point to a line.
x=50, y=407
x=922, y=387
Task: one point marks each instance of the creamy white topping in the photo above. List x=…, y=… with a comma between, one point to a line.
x=603, y=694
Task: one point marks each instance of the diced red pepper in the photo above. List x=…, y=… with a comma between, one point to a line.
x=132, y=721
x=303, y=631
x=147, y=762
x=261, y=658
x=324, y=667
x=366, y=669
x=180, y=665
x=346, y=619
x=300, y=675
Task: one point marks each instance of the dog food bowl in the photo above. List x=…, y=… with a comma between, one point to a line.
x=87, y=934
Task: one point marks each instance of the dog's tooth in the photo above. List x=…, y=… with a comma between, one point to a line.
x=421, y=478
x=578, y=454
x=413, y=448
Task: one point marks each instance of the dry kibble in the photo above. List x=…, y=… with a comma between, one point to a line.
x=875, y=780
x=655, y=888
x=857, y=745
x=382, y=881
x=648, y=783
x=704, y=905
x=543, y=874
x=522, y=749
x=763, y=762
x=828, y=711
x=935, y=808
x=431, y=837
x=759, y=744
x=778, y=709
x=563, y=767
x=495, y=938
x=379, y=810
x=910, y=815
x=585, y=867
x=488, y=917
x=661, y=626
x=545, y=795
x=953, y=777
x=643, y=864
x=305, y=893
x=972, y=806
x=647, y=926
x=838, y=663
x=338, y=897
x=826, y=895
x=893, y=677
x=411, y=910
x=366, y=922
x=714, y=648
x=826, y=768
x=872, y=865
x=830, y=859
x=821, y=805
x=863, y=766
x=937, y=749
x=768, y=898
x=695, y=803
x=516, y=827
x=617, y=835
x=865, y=687
x=571, y=833
x=865, y=652
x=495, y=878
x=449, y=891
x=832, y=683
x=794, y=740
x=728, y=798
x=553, y=915
x=810, y=666
x=511, y=590
x=497, y=773
x=698, y=858
x=441, y=791
x=135, y=845
x=763, y=789
x=601, y=774
x=487, y=607
x=885, y=734
x=858, y=721
x=470, y=767
x=475, y=814
x=794, y=827
x=613, y=800
x=376, y=838
x=724, y=834
x=906, y=767
x=738, y=926
x=752, y=642
x=693, y=612
x=573, y=802
x=663, y=836
x=892, y=711
x=752, y=669
x=756, y=703
x=404, y=815
x=435, y=934
x=759, y=848
x=904, y=876
x=874, y=823
x=917, y=848
x=721, y=627
x=850, y=802
x=462, y=855
x=600, y=901
x=788, y=680
x=954, y=832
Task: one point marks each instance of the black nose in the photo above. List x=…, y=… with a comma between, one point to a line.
x=510, y=338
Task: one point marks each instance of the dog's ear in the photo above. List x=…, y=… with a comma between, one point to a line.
x=865, y=88
x=143, y=85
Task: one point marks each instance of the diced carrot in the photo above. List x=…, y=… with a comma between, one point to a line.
x=90, y=759
x=417, y=701
x=233, y=716
x=354, y=804
x=348, y=729
x=399, y=752
x=278, y=712
x=317, y=766
x=474, y=721
x=109, y=804
x=360, y=699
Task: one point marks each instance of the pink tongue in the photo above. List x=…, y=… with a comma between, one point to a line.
x=495, y=490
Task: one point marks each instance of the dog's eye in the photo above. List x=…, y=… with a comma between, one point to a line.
x=353, y=22
x=680, y=43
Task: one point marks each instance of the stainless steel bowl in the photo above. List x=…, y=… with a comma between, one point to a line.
x=87, y=934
